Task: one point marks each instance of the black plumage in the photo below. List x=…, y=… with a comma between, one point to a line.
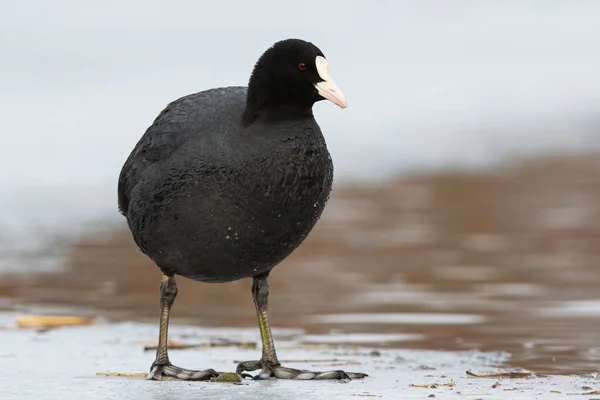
x=227, y=182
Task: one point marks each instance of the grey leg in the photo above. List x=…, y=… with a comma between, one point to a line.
x=269, y=364
x=162, y=367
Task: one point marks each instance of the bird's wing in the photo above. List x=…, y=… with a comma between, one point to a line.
x=159, y=142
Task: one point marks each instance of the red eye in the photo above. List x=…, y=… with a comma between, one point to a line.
x=302, y=67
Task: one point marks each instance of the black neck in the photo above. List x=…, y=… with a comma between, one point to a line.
x=274, y=104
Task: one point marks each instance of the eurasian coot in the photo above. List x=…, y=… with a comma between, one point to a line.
x=227, y=182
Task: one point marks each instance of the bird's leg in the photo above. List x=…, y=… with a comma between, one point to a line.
x=162, y=367
x=269, y=364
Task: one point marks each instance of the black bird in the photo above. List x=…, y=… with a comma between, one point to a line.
x=227, y=182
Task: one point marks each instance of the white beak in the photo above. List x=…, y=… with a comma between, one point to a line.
x=327, y=88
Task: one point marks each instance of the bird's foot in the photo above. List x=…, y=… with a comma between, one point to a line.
x=159, y=371
x=269, y=370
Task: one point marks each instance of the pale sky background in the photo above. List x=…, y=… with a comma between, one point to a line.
x=429, y=83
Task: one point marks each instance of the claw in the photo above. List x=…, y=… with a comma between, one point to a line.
x=264, y=375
